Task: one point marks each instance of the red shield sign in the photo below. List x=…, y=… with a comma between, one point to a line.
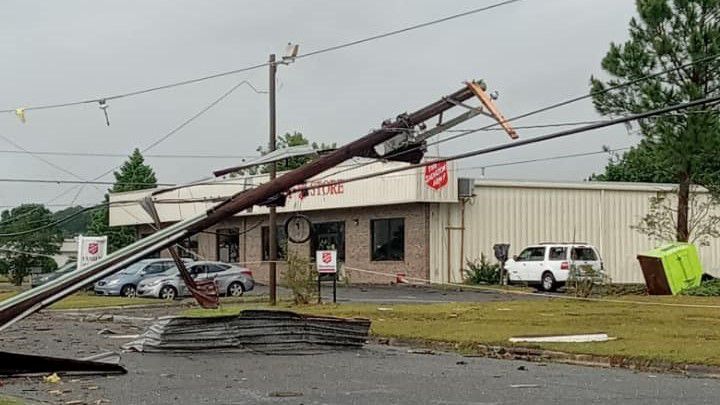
x=326, y=257
x=93, y=248
x=436, y=175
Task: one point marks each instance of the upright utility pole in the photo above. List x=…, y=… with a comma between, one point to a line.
x=272, y=218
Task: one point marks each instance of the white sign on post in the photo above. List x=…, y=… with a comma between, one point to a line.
x=90, y=250
x=326, y=261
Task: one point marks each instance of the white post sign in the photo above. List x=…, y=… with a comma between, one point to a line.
x=90, y=250
x=326, y=261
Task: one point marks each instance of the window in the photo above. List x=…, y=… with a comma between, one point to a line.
x=216, y=268
x=228, y=245
x=557, y=253
x=281, y=242
x=197, y=269
x=388, y=239
x=328, y=236
x=189, y=247
x=583, y=253
x=532, y=254
x=157, y=268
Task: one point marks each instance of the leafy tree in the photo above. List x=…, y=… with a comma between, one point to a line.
x=19, y=254
x=134, y=174
x=75, y=226
x=288, y=140
x=668, y=34
x=640, y=164
x=703, y=223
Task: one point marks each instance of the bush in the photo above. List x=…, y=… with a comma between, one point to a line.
x=709, y=288
x=584, y=281
x=300, y=277
x=480, y=271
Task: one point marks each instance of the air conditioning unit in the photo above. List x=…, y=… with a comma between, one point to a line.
x=466, y=188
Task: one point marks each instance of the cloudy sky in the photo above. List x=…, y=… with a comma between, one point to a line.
x=535, y=52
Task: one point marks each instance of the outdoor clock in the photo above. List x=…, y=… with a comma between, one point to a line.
x=298, y=228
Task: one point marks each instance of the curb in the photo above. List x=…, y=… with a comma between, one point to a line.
x=540, y=355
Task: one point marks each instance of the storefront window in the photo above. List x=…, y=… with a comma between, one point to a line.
x=388, y=239
x=228, y=245
x=328, y=236
x=189, y=247
x=281, y=242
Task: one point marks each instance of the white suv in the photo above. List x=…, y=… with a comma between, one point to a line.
x=548, y=264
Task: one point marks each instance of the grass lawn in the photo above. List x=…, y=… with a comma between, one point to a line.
x=85, y=300
x=9, y=401
x=682, y=335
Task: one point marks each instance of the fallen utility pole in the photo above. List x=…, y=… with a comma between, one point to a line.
x=24, y=304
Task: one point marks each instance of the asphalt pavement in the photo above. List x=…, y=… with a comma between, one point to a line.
x=375, y=374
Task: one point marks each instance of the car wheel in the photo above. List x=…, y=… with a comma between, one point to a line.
x=235, y=289
x=548, y=282
x=128, y=291
x=168, y=293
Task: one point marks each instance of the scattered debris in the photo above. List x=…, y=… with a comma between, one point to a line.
x=285, y=394
x=55, y=392
x=17, y=364
x=384, y=309
x=524, y=386
x=522, y=368
x=461, y=363
x=106, y=331
x=74, y=402
x=52, y=378
x=592, y=337
x=421, y=351
x=264, y=331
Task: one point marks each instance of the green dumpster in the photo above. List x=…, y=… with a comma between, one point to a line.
x=671, y=268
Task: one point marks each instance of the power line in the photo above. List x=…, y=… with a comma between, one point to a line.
x=492, y=126
x=120, y=155
x=84, y=182
x=549, y=158
x=261, y=65
x=460, y=156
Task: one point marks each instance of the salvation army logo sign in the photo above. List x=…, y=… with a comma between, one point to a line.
x=93, y=248
x=436, y=175
x=326, y=257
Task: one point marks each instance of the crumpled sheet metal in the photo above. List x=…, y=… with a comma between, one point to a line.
x=264, y=331
x=20, y=364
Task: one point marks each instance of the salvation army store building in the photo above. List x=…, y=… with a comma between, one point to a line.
x=380, y=225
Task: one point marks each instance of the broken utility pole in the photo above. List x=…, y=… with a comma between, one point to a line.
x=24, y=304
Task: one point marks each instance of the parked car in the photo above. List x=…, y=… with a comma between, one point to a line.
x=231, y=280
x=125, y=282
x=40, y=279
x=548, y=265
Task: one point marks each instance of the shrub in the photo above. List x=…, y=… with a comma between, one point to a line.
x=480, y=271
x=300, y=277
x=583, y=281
x=709, y=288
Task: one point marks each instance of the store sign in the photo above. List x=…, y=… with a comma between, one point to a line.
x=436, y=175
x=326, y=261
x=318, y=188
x=91, y=249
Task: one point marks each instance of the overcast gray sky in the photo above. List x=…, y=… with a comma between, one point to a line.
x=534, y=53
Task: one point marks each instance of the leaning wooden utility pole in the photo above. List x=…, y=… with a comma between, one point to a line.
x=272, y=218
x=26, y=303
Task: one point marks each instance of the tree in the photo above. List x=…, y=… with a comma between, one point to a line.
x=75, y=226
x=641, y=164
x=290, y=139
x=19, y=254
x=660, y=222
x=134, y=175
x=669, y=34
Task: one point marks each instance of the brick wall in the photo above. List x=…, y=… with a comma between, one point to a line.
x=357, y=242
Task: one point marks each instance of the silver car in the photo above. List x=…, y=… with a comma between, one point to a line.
x=125, y=282
x=231, y=280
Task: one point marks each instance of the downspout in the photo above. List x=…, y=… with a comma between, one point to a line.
x=463, y=201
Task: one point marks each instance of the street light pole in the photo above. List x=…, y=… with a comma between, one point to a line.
x=272, y=218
